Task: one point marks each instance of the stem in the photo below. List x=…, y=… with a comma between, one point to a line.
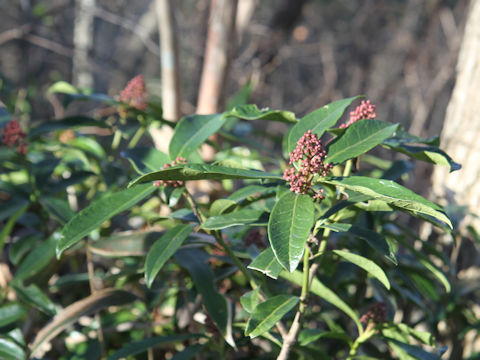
x=93, y=290
x=367, y=334
x=117, y=137
x=292, y=335
x=137, y=136
x=347, y=170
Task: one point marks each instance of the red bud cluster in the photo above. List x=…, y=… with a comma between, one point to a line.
x=172, y=183
x=14, y=136
x=135, y=93
x=366, y=110
x=310, y=156
x=376, y=312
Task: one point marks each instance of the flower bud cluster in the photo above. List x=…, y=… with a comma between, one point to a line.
x=135, y=93
x=376, y=312
x=310, y=156
x=172, y=183
x=14, y=136
x=366, y=110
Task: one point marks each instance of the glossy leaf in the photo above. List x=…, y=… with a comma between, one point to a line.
x=100, y=300
x=392, y=193
x=430, y=154
x=318, y=121
x=73, y=122
x=366, y=264
x=308, y=336
x=32, y=295
x=191, y=131
x=250, y=300
x=325, y=293
x=236, y=218
x=59, y=209
x=377, y=241
x=251, y=190
x=289, y=228
x=10, y=313
x=358, y=138
x=138, y=347
x=267, y=263
x=204, y=280
x=163, y=249
x=268, y=313
x=10, y=350
x=252, y=112
x=38, y=258
x=146, y=159
x=98, y=212
x=204, y=172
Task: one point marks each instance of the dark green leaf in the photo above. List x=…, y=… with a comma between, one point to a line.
x=40, y=257
x=318, y=121
x=416, y=351
x=250, y=300
x=22, y=246
x=98, y=212
x=267, y=263
x=252, y=112
x=10, y=313
x=191, y=131
x=325, y=293
x=203, y=278
x=203, y=172
x=59, y=209
x=163, y=249
x=251, y=190
x=34, y=296
x=236, y=218
x=73, y=122
x=100, y=300
x=268, y=313
x=188, y=353
x=9, y=350
x=289, y=228
x=7, y=228
x=308, y=336
x=377, y=241
x=366, y=264
x=392, y=193
x=359, y=137
x=146, y=159
x=138, y=347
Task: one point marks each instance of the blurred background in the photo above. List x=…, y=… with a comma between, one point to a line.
x=417, y=60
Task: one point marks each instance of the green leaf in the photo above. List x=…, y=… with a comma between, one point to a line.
x=250, y=300
x=416, y=351
x=7, y=228
x=267, y=263
x=268, y=313
x=358, y=138
x=318, y=121
x=252, y=112
x=90, y=305
x=289, y=228
x=62, y=87
x=163, y=249
x=204, y=280
x=73, y=122
x=146, y=159
x=377, y=241
x=10, y=313
x=430, y=154
x=236, y=218
x=40, y=257
x=220, y=206
x=191, y=131
x=188, y=353
x=325, y=293
x=34, y=296
x=392, y=193
x=125, y=244
x=366, y=264
x=9, y=350
x=308, y=336
x=203, y=172
x=58, y=209
x=138, y=347
x=93, y=216
x=22, y=246
x=251, y=190
x=88, y=145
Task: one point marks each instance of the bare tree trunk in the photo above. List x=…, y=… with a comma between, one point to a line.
x=83, y=41
x=218, y=54
x=461, y=130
